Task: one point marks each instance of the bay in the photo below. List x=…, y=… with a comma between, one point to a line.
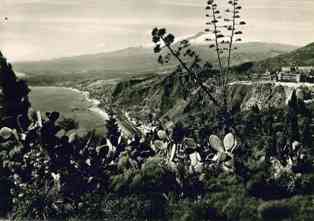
x=70, y=103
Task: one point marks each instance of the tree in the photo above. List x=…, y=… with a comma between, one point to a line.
x=292, y=118
x=113, y=131
x=15, y=102
x=307, y=133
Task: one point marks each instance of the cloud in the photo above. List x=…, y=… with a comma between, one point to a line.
x=185, y=3
x=41, y=2
x=52, y=28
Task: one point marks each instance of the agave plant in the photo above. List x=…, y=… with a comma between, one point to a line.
x=162, y=144
x=297, y=151
x=197, y=164
x=295, y=155
x=278, y=169
x=113, y=148
x=224, y=149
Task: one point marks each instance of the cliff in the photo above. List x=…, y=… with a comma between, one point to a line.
x=166, y=96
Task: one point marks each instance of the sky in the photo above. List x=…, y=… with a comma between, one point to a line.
x=45, y=29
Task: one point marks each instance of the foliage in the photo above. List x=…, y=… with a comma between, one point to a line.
x=239, y=167
x=14, y=93
x=275, y=211
x=68, y=124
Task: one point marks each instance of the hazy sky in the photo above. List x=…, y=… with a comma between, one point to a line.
x=43, y=29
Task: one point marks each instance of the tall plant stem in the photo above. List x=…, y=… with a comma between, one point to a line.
x=193, y=74
x=221, y=68
x=231, y=38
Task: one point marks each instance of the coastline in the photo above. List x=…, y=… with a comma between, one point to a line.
x=95, y=103
x=94, y=107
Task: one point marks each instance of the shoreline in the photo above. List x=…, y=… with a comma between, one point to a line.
x=94, y=107
x=95, y=103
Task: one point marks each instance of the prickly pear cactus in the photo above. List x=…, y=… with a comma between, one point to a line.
x=230, y=142
x=224, y=149
x=216, y=143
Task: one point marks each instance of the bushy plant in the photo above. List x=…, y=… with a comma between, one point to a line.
x=276, y=211
x=68, y=124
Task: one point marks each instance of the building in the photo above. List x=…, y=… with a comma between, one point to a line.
x=296, y=74
x=300, y=69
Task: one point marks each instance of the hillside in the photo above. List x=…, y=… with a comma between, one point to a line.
x=303, y=56
x=166, y=96
x=246, y=52
x=135, y=60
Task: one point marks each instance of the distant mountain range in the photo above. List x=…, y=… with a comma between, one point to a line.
x=302, y=57
x=137, y=60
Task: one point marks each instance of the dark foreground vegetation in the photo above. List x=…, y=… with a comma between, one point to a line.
x=262, y=169
x=251, y=165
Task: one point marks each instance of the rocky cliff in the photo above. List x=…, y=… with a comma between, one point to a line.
x=168, y=97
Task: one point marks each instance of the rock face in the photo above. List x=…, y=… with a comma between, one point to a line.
x=167, y=96
x=267, y=94
x=263, y=95
x=14, y=102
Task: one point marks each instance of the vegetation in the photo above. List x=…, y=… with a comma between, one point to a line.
x=140, y=179
x=223, y=33
x=181, y=173
x=250, y=165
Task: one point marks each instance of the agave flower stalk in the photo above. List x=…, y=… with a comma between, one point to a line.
x=160, y=37
x=216, y=32
x=224, y=29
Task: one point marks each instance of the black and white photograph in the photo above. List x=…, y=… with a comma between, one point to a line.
x=157, y=110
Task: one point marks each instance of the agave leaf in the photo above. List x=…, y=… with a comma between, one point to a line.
x=120, y=139
x=55, y=176
x=173, y=152
x=216, y=157
x=216, y=143
x=162, y=134
x=159, y=145
x=199, y=168
x=190, y=143
x=123, y=163
x=111, y=147
x=195, y=159
x=230, y=142
x=227, y=167
x=223, y=157
x=236, y=144
x=296, y=145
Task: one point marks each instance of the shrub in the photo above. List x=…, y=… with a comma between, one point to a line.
x=189, y=210
x=68, y=124
x=275, y=210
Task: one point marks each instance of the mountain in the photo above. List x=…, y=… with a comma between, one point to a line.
x=302, y=57
x=125, y=60
x=251, y=51
x=246, y=52
x=138, y=60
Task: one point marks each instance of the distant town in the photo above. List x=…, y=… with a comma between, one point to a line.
x=296, y=74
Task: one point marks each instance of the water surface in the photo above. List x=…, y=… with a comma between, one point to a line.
x=70, y=103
